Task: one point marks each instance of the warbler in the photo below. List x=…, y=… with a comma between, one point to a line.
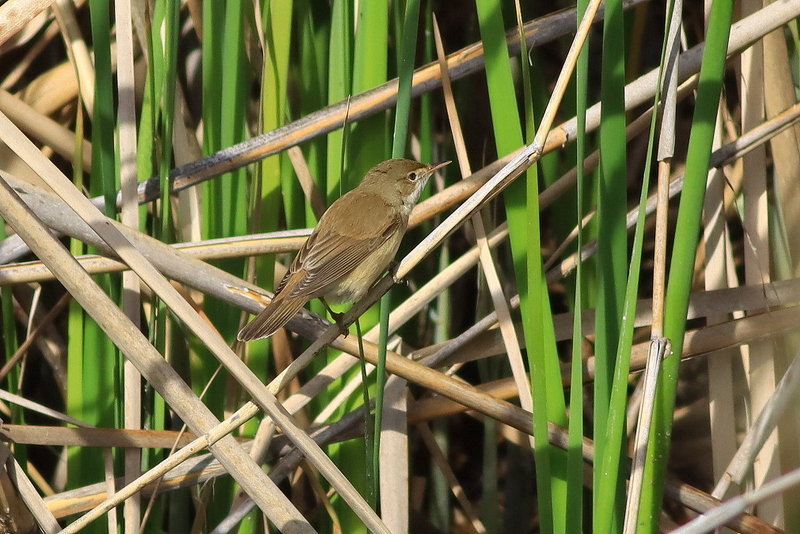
x=355, y=241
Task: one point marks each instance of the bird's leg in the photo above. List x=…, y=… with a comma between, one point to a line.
x=337, y=317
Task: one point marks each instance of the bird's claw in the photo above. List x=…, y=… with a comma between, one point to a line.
x=393, y=267
x=338, y=318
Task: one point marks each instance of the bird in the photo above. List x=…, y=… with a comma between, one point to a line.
x=354, y=242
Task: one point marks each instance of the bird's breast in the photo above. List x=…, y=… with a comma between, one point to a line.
x=355, y=284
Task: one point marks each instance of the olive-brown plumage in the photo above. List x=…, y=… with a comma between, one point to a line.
x=354, y=242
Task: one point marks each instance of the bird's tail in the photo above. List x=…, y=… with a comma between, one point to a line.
x=271, y=318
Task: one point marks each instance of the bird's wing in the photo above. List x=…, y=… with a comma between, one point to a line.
x=328, y=254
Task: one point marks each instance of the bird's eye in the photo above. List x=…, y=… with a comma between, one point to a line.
x=412, y=176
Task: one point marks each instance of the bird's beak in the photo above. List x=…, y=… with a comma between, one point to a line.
x=432, y=168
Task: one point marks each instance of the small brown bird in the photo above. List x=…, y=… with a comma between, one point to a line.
x=354, y=242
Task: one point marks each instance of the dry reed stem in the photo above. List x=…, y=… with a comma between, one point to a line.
x=77, y=51
x=44, y=518
x=137, y=348
x=473, y=522
x=760, y=431
x=41, y=127
x=15, y=14
x=489, y=269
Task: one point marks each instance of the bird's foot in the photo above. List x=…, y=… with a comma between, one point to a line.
x=393, y=267
x=338, y=318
